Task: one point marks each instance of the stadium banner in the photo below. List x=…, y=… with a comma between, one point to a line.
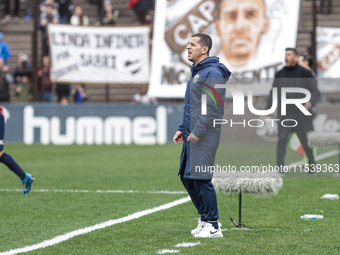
x=99, y=55
x=132, y=124
x=249, y=37
x=328, y=58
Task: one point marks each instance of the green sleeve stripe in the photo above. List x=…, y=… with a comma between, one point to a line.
x=209, y=95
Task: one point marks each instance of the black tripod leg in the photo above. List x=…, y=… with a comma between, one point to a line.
x=239, y=209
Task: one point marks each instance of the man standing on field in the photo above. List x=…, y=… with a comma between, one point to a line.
x=203, y=104
x=293, y=75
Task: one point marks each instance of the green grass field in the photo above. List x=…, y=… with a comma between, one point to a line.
x=39, y=216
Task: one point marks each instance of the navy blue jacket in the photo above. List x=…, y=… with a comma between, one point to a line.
x=202, y=80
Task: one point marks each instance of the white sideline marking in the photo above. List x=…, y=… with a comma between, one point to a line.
x=318, y=157
x=187, y=244
x=62, y=238
x=99, y=191
x=168, y=251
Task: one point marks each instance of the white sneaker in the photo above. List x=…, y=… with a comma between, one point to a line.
x=199, y=228
x=209, y=231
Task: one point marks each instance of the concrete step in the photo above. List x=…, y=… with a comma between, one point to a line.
x=308, y=25
x=22, y=27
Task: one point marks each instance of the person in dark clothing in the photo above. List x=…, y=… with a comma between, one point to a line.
x=49, y=15
x=26, y=178
x=45, y=92
x=200, y=139
x=293, y=75
x=22, y=68
x=329, y=6
x=144, y=11
x=7, y=17
x=4, y=86
x=63, y=91
x=307, y=61
x=65, y=8
x=99, y=4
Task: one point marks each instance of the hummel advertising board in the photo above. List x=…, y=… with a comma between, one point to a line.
x=130, y=124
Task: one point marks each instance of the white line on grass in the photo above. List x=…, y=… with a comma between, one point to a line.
x=318, y=157
x=187, y=244
x=62, y=238
x=99, y=191
x=168, y=251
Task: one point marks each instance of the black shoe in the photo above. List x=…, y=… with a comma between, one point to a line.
x=311, y=173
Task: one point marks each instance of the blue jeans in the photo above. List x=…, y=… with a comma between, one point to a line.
x=48, y=97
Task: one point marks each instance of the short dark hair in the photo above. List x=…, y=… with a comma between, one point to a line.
x=293, y=50
x=205, y=40
x=308, y=58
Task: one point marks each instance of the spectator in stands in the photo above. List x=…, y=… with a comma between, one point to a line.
x=45, y=92
x=79, y=94
x=5, y=52
x=65, y=10
x=144, y=11
x=64, y=101
x=329, y=6
x=7, y=18
x=78, y=18
x=29, y=10
x=99, y=4
x=109, y=15
x=143, y=98
x=63, y=92
x=49, y=15
x=22, y=68
x=306, y=61
x=23, y=90
x=4, y=83
x=42, y=7
x=46, y=3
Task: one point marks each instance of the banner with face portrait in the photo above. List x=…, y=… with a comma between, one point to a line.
x=99, y=55
x=249, y=37
x=328, y=52
x=328, y=58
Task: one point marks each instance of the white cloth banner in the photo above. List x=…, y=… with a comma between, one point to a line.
x=328, y=58
x=105, y=55
x=328, y=52
x=249, y=37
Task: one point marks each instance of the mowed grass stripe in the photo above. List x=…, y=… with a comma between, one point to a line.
x=31, y=219
x=96, y=191
x=62, y=238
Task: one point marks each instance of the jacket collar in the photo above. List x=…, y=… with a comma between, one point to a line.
x=204, y=63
